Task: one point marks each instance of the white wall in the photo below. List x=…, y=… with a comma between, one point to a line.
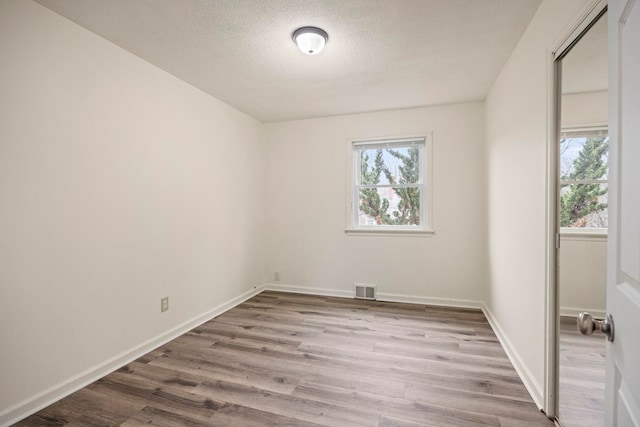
x=516, y=139
x=119, y=185
x=583, y=271
x=583, y=259
x=307, y=207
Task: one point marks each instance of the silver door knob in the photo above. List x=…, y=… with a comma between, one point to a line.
x=587, y=325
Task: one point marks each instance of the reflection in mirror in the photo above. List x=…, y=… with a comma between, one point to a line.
x=584, y=155
x=583, y=174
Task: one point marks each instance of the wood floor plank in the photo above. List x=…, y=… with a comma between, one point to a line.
x=145, y=392
x=91, y=408
x=400, y=408
x=266, y=336
x=430, y=353
x=307, y=410
x=159, y=376
x=404, y=369
x=227, y=368
x=53, y=415
x=582, y=376
x=301, y=360
x=241, y=416
x=159, y=417
x=386, y=421
x=472, y=401
x=512, y=422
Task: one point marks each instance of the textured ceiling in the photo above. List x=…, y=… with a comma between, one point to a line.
x=381, y=54
x=585, y=68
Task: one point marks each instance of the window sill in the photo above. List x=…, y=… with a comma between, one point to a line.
x=389, y=232
x=598, y=234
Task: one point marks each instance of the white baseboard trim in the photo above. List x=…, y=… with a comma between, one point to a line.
x=533, y=387
x=447, y=302
x=381, y=296
x=32, y=405
x=326, y=292
x=573, y=312
x=531, y=384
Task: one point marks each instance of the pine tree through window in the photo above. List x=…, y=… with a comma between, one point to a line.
x=584, y=168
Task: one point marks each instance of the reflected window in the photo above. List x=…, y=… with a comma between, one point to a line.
x=584, y=169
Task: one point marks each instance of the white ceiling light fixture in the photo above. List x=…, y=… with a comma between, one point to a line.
x=310, y=40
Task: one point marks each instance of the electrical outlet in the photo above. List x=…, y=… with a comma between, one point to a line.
x=276, y=276
x=164, y=304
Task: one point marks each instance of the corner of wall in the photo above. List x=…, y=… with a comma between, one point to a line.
x=33, y=404
x=530, y=382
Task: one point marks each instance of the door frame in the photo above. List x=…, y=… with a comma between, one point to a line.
x=584, y=21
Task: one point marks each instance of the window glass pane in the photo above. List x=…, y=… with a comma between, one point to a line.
x=389, y=206
x=583, y=205
x=386, y=166
x=584, y=156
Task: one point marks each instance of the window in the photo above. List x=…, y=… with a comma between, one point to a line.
x=390, y=189
x=584, y=168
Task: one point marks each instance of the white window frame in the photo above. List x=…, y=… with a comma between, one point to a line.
x=426, y=190
x=576, y=233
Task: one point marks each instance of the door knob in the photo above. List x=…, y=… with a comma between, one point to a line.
x=587, y=325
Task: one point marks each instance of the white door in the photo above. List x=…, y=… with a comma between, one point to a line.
x=623, y=277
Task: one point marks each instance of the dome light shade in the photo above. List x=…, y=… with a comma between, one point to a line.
x=310, y=40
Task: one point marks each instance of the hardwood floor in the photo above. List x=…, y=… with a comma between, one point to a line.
x=582, y=369
x=284, y=359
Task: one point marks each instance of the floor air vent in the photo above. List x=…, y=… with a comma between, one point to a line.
x=363, y=291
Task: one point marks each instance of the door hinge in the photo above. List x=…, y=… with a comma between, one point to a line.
x=557, y=240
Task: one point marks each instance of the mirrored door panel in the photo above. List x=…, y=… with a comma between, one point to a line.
x=583, y=175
